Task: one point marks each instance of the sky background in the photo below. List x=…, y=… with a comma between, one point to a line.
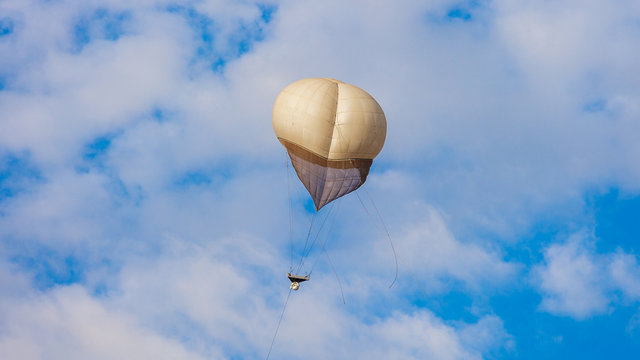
x=144, y=200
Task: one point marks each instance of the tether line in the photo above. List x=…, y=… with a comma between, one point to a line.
x=278, y=327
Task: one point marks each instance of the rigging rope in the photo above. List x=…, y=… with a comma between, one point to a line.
x=395, y=254
x=290, y=212
x=335, y=273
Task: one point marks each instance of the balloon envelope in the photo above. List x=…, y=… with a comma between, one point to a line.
x=332, y=132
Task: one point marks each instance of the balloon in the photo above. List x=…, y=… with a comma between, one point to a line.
x=332, y=132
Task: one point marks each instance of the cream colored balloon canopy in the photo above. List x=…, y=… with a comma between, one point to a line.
x=332, y=131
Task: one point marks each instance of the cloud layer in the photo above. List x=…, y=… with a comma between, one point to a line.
x=143, y=196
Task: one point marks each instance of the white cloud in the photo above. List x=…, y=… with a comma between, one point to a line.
x=66, y=98
x=68, y=323
x=625, y=274
x=572, y=280
x=422, y=336
x=577, y=281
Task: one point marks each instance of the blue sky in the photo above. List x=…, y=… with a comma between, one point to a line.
x=144, y=199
